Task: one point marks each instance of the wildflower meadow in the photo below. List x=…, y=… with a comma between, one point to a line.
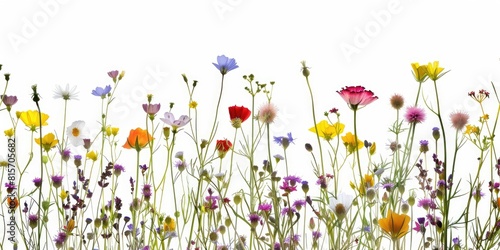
x=192, y=175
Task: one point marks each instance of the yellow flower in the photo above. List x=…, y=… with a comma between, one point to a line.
x=366, y=182
x=111, y=131
x=49, y=141
x=193, y=105
x=419, y=72
x=92, y=155
x=31, y=119
x=169, y=224
x=350, y=143
x=63, y=194
x=9, y=132
x=70, y=226
x=373, y=148
x=327, y=131
x=434, y=71
x=395, y=225
x=471, y=129
x=484, y=118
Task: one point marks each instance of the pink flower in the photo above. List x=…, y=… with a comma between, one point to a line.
x=357, y=96
x=414, y=115
x=459, y=119
x=113, y=74
x=151, y=109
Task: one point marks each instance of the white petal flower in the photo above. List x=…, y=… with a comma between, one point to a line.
x=175, y=124
x=67, y=93
x=77, y=132
x=341, y=205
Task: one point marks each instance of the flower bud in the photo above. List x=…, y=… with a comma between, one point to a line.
x=405, y=208
x=435, y=133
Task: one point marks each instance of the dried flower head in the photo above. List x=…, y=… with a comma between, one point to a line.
x=459, y=119
x=267, y=113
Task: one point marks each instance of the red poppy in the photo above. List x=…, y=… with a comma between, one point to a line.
x=238, y=114
x=357, y=96
x=223, y=146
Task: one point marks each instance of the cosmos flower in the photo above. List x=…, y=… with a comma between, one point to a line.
x=225, y=64
x=357, y=97
x=66, y=93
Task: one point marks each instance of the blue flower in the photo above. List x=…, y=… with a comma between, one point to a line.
x=225, y=64
x=101, y=92
x=284, y=141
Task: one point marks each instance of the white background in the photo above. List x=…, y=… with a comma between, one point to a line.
x=51, y=43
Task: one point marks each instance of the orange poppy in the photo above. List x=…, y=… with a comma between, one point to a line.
x=138, y=139
x=395, y=225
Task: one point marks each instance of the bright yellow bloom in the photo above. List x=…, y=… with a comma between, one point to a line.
x=92, y=155
x=419, y=72
x=169, y=224
x=111, y=131
x=49, y=141
x=367, y=182
x=193, y=105
x=350, y=143
x=395, y=225
x=484, y=118
x=434, y=71
x=471, y=129
x=373, y=148
x=9, y=132
x=63, y=194
x=31, y=119
x=328, y=131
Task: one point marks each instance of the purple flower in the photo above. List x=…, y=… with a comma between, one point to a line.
x=113, y=74
x=60, y=239
x=456, y=241
x=102, y=92
x=420, y=225
x=288, y=211
x=316, y=235
x=287, y=187
x=175, y=124
x=225, y=64
x=180, y=165
x=151, y=109
x=414, y=115
x=298, y=204
x=9, y=100
x=33, y=220
x=426, y=203
x=118, y=169
x=293, y=180
x=65, y=154
x=37, y=181
x=254, y=220
x=293, y=239
x=10, y=185
x=284, y=141
x=266, y=207
x=57, y=180
x=146, y=191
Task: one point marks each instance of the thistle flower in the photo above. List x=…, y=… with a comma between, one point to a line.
x=57, y=180
x=414, y=115
x=267, y=113
x=37, y=182
x=459, y=119
x=33, y=220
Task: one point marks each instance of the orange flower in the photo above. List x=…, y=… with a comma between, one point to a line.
x=138, y=139
x=12, y=203
x=395, y=225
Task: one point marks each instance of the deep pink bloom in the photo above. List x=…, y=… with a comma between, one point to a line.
x=151, y=109
x=265, y=207
x=357, y=97
x=414, y=115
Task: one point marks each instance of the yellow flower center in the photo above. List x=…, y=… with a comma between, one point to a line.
x=75, y=132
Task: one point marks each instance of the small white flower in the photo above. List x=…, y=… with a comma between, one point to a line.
x=175, y=124
x=77, y=132
x=341, y=205
x=67, y=93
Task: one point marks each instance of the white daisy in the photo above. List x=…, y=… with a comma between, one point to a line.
x=77, y=132
x=341, y=205
x=67, y=93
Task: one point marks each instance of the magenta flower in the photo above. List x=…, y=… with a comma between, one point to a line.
x=414, y=115
x=254, y=219
x=357, y=97
x=56, y=180
x=151, y=109
x=37, y=181
x=265, y=207
x=113, y=74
